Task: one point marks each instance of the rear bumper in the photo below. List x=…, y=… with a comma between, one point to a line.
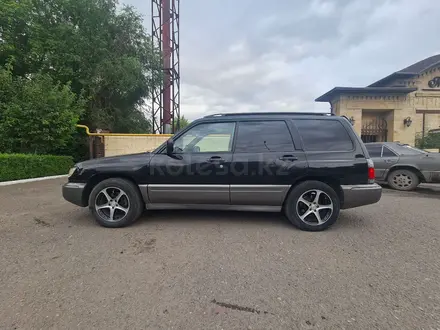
x=360, y=195
x=73, y=193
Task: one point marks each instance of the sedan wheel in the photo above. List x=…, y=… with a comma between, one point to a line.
x=404, y=180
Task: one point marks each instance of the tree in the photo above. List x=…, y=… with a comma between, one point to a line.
x=181, y=123
x=98, y=50
x=431, y=140
x=37, y=115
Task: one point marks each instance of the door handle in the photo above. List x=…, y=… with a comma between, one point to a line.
x=388, y=161
x=289, y=158
x=215, y=159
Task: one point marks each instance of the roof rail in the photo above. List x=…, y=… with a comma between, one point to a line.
x=270, y=113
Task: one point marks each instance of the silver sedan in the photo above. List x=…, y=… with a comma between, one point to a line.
x=403, y=167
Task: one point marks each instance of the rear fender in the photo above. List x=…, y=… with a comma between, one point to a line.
x=410, y=167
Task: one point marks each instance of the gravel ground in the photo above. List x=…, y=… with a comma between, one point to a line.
x=377, y=268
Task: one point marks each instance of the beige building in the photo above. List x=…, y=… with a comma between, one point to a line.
x=395, y=108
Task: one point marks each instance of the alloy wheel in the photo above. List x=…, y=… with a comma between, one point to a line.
x=112, y=204
x=402, y=180
x=314, y=207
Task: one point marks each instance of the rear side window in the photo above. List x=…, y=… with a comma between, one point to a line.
x=375, y=150
x=387, y=152
x=378, y=150
x=267, y=136
x=324, y=135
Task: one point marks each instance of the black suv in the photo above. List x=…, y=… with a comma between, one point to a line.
x=307, y=165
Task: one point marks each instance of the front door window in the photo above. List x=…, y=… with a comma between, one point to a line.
x=209, y=137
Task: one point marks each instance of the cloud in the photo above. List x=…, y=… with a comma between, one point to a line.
x=255, y=56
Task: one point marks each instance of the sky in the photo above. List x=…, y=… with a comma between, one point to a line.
x=250, y=55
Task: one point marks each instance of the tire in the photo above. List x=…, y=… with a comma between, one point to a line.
x=302, y=199
x=403, y=180
x=114, y=209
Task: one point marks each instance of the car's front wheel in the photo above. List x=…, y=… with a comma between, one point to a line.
x=312, y=206
x=115, y=203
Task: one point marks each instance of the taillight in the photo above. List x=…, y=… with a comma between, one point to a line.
x=371, y=173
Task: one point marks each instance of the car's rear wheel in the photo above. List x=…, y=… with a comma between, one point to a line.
x=115, y=203
x=404, y=180
x=312, y=206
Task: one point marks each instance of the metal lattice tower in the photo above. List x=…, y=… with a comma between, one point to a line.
x=165, y=35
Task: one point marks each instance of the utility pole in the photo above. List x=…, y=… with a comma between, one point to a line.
x=165, y=35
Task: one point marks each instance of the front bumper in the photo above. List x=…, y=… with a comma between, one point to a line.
x=73, y=193
x=360, y=195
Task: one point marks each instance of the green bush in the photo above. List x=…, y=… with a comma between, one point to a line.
x=37, y=114
x=429, y=141
x=25, y=166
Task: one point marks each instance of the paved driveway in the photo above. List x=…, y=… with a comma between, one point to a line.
x=377, y=268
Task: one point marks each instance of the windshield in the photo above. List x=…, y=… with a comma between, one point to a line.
x=409, y=150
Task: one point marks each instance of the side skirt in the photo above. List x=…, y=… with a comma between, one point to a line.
x=217, y=207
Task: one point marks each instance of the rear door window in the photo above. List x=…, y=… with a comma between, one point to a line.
x=375, y=150
x=386, y=152
x=324, y=135
x=263, y=136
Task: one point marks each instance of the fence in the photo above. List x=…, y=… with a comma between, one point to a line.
x=122, y=145
x=113, y=144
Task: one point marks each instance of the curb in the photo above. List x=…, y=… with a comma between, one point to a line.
x=8, y=183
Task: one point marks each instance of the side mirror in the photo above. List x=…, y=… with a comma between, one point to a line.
x=170, y=147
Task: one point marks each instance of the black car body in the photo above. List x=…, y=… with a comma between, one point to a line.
x=304, y=164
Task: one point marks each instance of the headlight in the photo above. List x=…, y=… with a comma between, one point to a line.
x=71, y=171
